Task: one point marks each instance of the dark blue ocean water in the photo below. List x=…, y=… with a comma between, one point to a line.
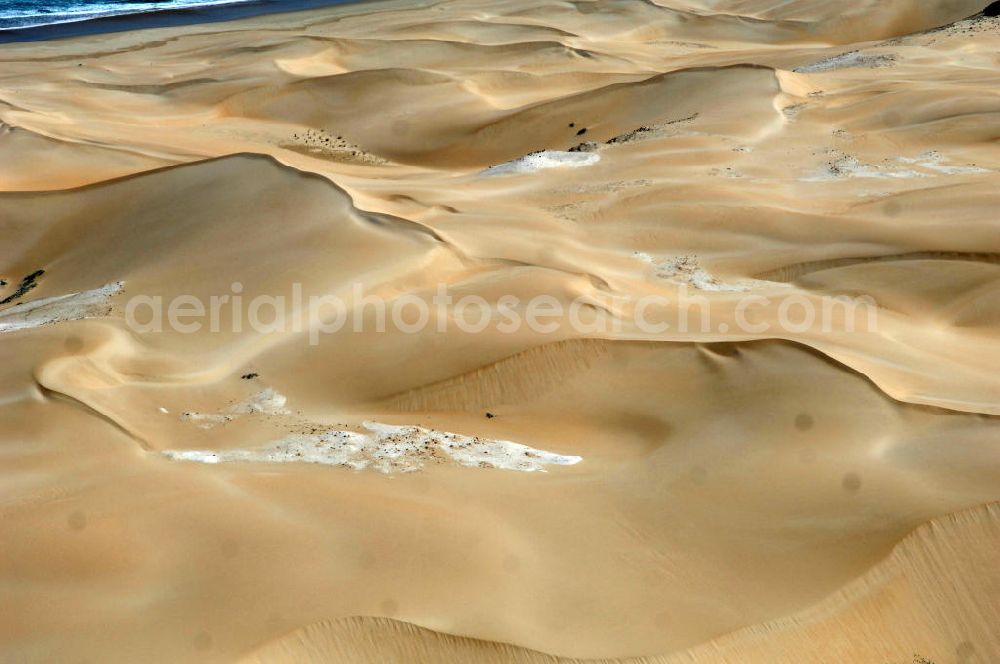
x=27, y=13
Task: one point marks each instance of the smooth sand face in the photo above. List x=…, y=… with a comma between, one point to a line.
x=804, y=493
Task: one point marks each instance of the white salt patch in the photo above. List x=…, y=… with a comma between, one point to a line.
x=193, y=455
x=205, y=420
x=74, y=306
x=388, y=449
x=266, y=402
x=849, y=59
x=545, y=159
x=685, y=269
x=924, y=166
x=851, y=167
x=932, y=161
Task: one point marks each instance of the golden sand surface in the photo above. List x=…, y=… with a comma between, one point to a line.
x=823, y=491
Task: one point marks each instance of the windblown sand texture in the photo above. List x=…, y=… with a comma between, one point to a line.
x=710, y=496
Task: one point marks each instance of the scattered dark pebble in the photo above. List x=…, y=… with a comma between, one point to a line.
x=586, y=146
x=26, y=285
x=572, y=124
x=249, y=376
x=490, y=416
x=582, y=132
x=630, y=135
x=638, y=132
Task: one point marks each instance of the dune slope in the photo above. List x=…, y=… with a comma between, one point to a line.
x=700, y=480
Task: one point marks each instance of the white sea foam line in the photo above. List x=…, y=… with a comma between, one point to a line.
x=45, y=311
x=78, y=16
x=545, y=159
x=388, y=449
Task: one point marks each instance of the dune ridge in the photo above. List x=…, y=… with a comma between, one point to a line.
x=896, y=598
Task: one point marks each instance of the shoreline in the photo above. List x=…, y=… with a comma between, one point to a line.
x=163, y=18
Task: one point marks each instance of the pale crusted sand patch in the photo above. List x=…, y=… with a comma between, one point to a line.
x=543, y=160
x=687, y=270
x=46, y=311
x=847, y=60
x=265, y=402
x=388, y=449
x=928, y=164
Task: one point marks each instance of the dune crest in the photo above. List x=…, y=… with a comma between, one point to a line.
x=898, y=605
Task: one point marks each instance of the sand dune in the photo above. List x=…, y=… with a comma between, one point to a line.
x=906, y=602
x=762, y=487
